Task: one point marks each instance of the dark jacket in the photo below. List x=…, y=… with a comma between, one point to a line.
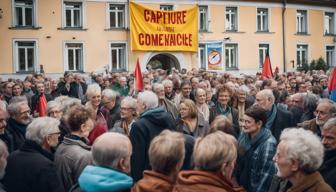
x=36, y=99
x=31, y=169
x=235, y=118
x=328, y=168
x=16, y=133
x=73, y=92
x=8, y=140
x=283, y=119
x=149, y=125
x=111, y=116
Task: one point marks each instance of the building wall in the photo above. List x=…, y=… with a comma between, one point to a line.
x=96, y=37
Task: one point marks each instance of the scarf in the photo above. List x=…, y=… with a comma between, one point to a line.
x=226, y=111
x=42, y=106
x=271, y=117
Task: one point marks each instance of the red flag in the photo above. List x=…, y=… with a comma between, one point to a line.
x=138, y=84
x=267, y=69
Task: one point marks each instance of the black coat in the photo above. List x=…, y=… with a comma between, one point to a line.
x=150, y=124
x=31, y=169
x=36, y=99
x=328, y=168
x=283, y=119
x=8, y=140
x=73, y=92
x=16, y=133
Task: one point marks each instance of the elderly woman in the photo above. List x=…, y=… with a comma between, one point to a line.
x=93, y=94
x=73, y=154
x=256, y=147
x=213, y=168
x=54, y=109
x=224, y=93
x=184, y=94
x=128, y=115
x=298, y=157
x=202, y=106
x=240, y=102
x=166, y=158
x=31, y=168
x=191, y=122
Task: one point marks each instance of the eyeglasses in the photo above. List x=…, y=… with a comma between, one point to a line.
x=57, y=133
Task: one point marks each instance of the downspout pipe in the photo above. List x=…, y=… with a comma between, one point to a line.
x=284, y=3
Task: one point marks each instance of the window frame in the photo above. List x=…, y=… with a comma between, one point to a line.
x=166, y=7
x=236, y=17
x=82, y=16
x=206, y=18
x=125, y=46
x=331, y=28
x=298, y=26
x=333, y=58
x=65, y=52
x=236, y=48
x=267, y=19
x=34, y=16
x=109, y=12
x=202, y=46
x=16, y=57
x=307, y=55
x=261, y=62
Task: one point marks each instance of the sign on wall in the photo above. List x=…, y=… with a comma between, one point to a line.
x=215, y=56
x=158, y=30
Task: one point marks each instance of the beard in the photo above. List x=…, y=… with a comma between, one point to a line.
x=320, y=122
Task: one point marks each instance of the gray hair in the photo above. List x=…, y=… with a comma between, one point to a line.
x=310, y=102
x=3, y=105
x=157, y=85
x=109, y=149
x=110, y=94
x=149, y=99
x=13, y=107
x=167, y=82
x=93, y=89
x=330, y=123
x=268, y=93
x=304, y=146
x=41, y=127
x=331, y=103
x=67, y=102
x=130, y=101
x=16, y=99
x=54, y=104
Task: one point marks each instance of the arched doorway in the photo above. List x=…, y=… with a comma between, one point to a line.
x=164, y=61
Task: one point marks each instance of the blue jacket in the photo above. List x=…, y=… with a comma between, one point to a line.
x=100, y=179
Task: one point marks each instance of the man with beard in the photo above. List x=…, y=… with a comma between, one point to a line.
x=31, y=168
x=328, y=168
x=18, y=121
x=325, y=110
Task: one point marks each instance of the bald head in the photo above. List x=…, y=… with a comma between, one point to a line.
x=112, y=150
x=265, y=99
x=297, y=100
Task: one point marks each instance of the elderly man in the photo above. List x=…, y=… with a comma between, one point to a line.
x=111, y=155
x=121, y=87
x=168, y=88
x=169, y=106
x=31, y=168
x=325, y=110
x=18, y=121
x=277, y=119
x=111, y=107
x=152, y=120
x=328, y=168
x=298, y=157
x=4, y=136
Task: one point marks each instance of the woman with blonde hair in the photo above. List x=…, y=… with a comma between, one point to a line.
x=213, y=168
x=191, y=122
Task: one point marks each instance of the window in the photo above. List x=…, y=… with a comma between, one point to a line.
x=117, y=16
x=73, y=14
x=118, y=56
x=262, y=19
x=231, y=56
x=203, y=18
x=24, y=15
x=74, y=56
x=231, y=19
x=202, y=56
x=329, y=21
x=330, y=55
x=25, y=56
x=166, y=7
x=301, y=55
x=263, y=49
x=301, y=21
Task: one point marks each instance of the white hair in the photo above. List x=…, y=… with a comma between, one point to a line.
x=14, y=107
x=157, y=85
x=93, y=89
x=167, y=82
x=331, y=123
x=304, y=146
x=54, y=104
x=129, y=101
x=268, y=93
x=41, y=127
x=110, y=94
x=149, y=99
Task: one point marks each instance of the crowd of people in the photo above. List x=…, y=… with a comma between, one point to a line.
x=186, y=131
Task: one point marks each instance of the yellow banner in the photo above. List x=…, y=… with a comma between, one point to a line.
x=157, y=30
